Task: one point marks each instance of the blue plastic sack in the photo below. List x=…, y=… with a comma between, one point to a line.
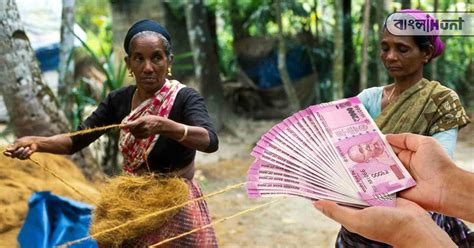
x=48, y=57
x=53, y=220
x=265, y=74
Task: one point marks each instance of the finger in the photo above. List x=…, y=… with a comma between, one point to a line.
x=7, y=153
x=33, y=149
x=405, y=158
x=411, y=205
x=397, y=150
x=125, y=125
x=342, y=215
x=130, y=124
x=17, y=152
x=25, y=152
x=418, y=198
x=397, y=140
x=11, y=147
x=405, y=141
x=401, y=202
x=410, y=194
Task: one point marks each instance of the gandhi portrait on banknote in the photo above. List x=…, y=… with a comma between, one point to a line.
x=373, y=149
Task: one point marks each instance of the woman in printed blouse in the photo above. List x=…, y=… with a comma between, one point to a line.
x=413, y=104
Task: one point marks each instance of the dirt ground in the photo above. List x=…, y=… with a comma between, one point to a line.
x=291, y=222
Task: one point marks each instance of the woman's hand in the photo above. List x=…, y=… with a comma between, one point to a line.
x=23, y=147
x=146, y=126
x=194, y=138
x=406, y=225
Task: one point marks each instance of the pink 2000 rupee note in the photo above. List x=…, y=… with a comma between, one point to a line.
x=365, y=153
x=263, y=177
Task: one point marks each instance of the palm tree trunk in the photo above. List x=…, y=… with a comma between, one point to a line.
x=66, y=57
x=206, y=66
x=434, y=65
x=338, y=59
x=365, y=47
x=31, y=104
x=380, y=17
x=285, y=77
x=406, y=4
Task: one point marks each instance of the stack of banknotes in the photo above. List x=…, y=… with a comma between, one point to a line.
x=331, y=151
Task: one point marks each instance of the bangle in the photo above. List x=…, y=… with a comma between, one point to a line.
x=185, y=133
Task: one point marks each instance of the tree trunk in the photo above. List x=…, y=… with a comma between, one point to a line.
x=236, y=22
x=365, y=46
x=406, y=4
x=350, y=69
x=316, y=43
x=31, y=105
x=66, y=57
x=212, y=27
x=110, y=162
x=418, y=5
x=380, y=16
x=125, y=13
x=338, y=59
x=316, y=21
x=285, y=77
x=206, y=66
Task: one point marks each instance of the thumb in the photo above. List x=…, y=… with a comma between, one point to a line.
x=129, y=124
x=334, y=211
x=11, y=147
x=17, y=144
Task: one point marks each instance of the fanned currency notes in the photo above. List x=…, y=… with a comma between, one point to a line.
x=330, y=151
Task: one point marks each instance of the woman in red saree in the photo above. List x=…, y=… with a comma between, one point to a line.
x=164, y=124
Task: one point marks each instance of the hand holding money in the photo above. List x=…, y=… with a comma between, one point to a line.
x=441, y=186
x=406, y=225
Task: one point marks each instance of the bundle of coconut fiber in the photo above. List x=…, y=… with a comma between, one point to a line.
x=130, y=199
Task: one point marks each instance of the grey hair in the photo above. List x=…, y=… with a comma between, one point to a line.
x=166, y=43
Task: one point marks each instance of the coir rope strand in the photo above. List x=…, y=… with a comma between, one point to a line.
x=80, y=132
x=62, y=180
x=95, y=129
x=70, y=135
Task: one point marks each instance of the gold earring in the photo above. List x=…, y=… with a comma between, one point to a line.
x=130, y=74
x=169, y=71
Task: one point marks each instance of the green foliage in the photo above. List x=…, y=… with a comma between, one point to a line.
x=453, y=67
x=95, y=18
x=82, y=98
x=92, y=15
x=115, y=77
